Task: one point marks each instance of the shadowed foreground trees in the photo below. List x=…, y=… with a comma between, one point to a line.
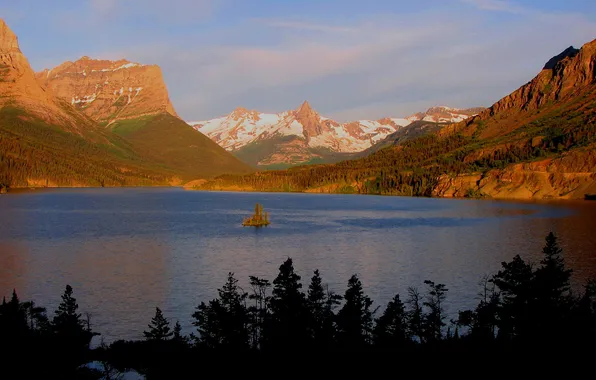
x=522, y=308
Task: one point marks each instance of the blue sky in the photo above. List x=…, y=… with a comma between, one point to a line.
x=350, y=59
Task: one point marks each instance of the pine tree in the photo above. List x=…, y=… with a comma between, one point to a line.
x=390, y=330
x=355, y=319
x=415, y=315
x=434, y=320
x=66, y=319
x=259, y=313
x=223, y=323
x=515, y=283
x=72, y=338
x=159, y=328
x=553, y=297
x=289, y=314
x=321, y=304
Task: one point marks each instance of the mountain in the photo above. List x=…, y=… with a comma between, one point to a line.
x=132, y=100
x=304, y=136
x=536, y=143
x=108, y=91
x=45, y=139
x=443, y=114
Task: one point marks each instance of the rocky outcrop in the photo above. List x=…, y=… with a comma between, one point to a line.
x=108, y=91
x=570, y=176
x=563, y=77
x=19, y=87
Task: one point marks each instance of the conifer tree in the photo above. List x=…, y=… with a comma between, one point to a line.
x=415, y=315
x=223, y=323
x=159, y=328
x=390, y=330
x=321, y=304
x=434, y=320
x=289, y=315
x=355, y=319
x=515, y=283
x=259, y=313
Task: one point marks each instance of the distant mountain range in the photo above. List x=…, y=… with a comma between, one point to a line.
x=304, y=136
x=539, y=142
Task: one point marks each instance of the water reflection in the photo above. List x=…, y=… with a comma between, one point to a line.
x=126, y=251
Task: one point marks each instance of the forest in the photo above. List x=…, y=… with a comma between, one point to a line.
x=33, y=152
x=525, y=307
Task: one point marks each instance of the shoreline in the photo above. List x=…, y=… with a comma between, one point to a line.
x=24, y=190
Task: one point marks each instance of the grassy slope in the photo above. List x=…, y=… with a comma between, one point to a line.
x=256, y=151
x=35, y=153
x=171, y=143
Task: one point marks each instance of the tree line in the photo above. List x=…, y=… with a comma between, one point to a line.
x=523, y=308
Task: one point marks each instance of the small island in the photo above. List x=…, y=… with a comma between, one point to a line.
x=259, y=218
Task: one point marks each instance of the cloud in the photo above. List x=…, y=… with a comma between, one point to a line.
x=496, y=5
x=306, y=26
x=366, y=68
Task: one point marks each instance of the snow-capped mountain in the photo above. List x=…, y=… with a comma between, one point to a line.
x=243, y=127
x=302, y=135
x=443, y=114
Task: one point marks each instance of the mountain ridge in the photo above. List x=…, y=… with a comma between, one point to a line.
x=302, y=135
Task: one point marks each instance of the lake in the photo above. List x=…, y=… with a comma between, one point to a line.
x=126, y=251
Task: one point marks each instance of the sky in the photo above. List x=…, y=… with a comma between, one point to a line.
x=351, y=59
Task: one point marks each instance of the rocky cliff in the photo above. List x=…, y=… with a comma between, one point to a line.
x=19, y=88
x=108, y=91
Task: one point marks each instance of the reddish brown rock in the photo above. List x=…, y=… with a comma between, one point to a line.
x=107, y=90
x=20, y=89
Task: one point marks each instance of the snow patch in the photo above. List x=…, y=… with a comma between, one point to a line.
x=85, y=100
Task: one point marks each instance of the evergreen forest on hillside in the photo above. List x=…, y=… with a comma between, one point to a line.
x=524, y=307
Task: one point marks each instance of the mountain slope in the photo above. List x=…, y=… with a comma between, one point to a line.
x=303, y=136
x=537, y=142
x=171, y=143
x=132, y=100
x=46, y=141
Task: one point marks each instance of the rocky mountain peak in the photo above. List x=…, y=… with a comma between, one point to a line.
x=8, y=40
x=569, y=52
x=310, y=120
x=109, y=90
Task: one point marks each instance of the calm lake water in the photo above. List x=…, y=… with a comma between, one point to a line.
x=126, y=251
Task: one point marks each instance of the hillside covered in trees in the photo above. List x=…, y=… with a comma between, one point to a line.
x=537, y=142
x=524, y=307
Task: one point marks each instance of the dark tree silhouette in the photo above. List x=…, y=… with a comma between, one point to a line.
x=159, y=327
x=259, y=312
x=223, y=323
x=355, y=319
x=515, y=285
x=321, y=304
x=390, y=332
x=288, y=327
x=415, y=315
x=434, y=319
